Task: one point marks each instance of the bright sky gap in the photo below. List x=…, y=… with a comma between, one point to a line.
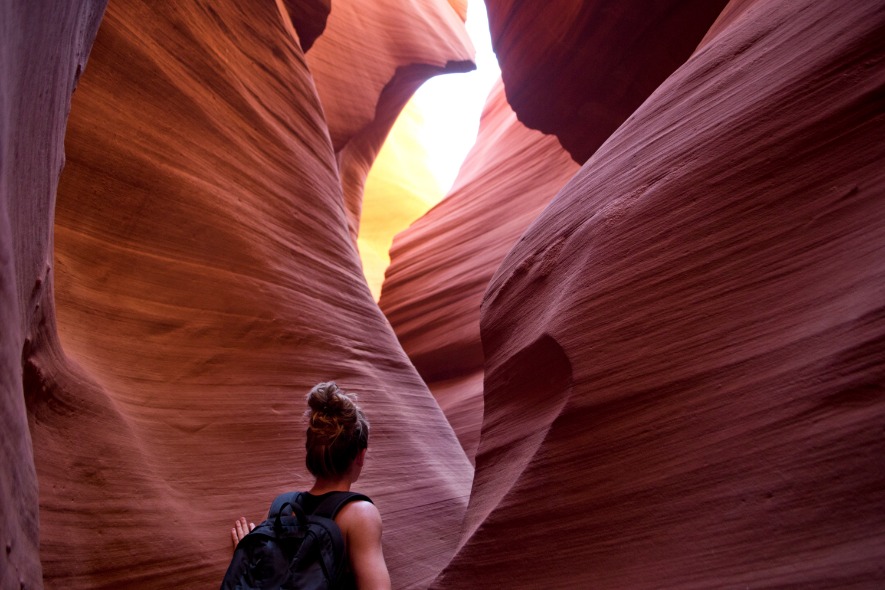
x=424, y=151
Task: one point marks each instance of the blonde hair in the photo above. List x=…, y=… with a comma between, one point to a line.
x=337, y=430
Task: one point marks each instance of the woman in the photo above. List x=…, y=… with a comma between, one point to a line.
x=337, y=441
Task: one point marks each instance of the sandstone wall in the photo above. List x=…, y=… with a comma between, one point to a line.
x=43, y=48
x=204, y=278
x=683, y=374
x=442, y=264
x=577, y=69
x=680, y=377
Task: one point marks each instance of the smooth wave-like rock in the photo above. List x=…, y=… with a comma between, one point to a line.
x=684, y=353
x=369, y=61
x=43, y=48
x=681, y=360
x=205, y=279
x=578, y=69
x=443, y=262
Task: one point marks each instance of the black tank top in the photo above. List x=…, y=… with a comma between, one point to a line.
x=309, y=503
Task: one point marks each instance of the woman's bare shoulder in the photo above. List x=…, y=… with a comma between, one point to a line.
x=358, y=513
x=360, y=522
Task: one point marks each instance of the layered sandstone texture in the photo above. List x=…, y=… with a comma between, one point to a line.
x=586, y=61
x=400, y=188
x=681, y=358
x=442, y=264
x=684, y=376
x=204, y=278
x=43, y=48
x=577, y=69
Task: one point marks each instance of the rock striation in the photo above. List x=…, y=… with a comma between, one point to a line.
x=442, y=264
x=683, y=353
x=204, y=278
x=43, y=48
x=577, y=69
x=673, y=351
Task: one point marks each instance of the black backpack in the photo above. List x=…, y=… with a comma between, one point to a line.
x=293, y=550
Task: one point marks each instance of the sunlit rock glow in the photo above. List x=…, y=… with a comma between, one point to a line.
x=399, y=189
x=424, y=151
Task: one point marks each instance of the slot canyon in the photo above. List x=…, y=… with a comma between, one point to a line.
x=639, y=344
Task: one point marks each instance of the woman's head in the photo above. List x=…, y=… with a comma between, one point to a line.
x=337, y=430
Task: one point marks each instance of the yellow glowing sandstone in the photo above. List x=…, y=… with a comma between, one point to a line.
x=399, y=189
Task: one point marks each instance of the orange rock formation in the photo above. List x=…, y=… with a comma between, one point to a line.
x=668, y=363
x=205, y=278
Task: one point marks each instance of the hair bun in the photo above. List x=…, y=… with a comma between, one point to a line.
x=336, y=431
x=330, y=400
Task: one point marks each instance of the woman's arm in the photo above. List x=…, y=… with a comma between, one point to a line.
x=361, y=523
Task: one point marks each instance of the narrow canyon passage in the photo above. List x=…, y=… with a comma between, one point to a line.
x=647, y=319
x=206, y=277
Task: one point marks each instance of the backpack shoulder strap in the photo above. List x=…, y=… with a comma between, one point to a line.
x=331, y=505
x=277, y=504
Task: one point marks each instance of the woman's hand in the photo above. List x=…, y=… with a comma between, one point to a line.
x=240, y=530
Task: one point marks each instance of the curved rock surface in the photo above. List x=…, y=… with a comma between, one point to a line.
x=443, y=262
x=684, y=373
x=682, y=355
x=369, y=61
x=205, y=278
x=43, y=48
x=580, y=91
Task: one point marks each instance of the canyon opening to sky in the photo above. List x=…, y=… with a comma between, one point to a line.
x=426, y=146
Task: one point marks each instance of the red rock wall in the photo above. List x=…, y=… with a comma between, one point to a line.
x=431, y=296
x=684, y=353
x=205, y=278
x=442, y=264
x=561, y=83
x=43, y=48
